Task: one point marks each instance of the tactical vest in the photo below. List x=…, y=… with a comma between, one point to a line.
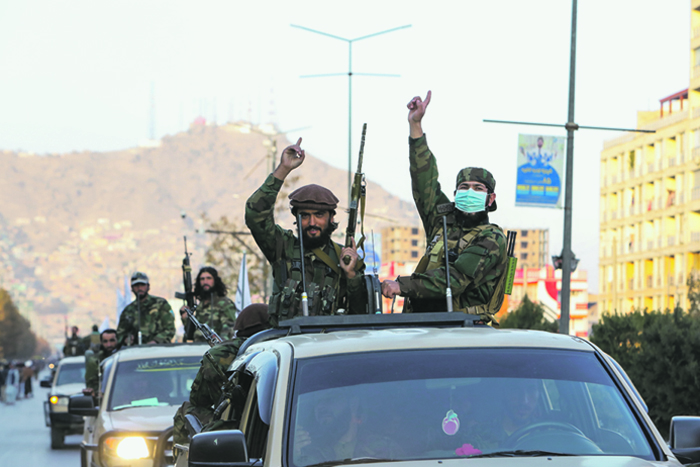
x=322, y=289
x=434, y=258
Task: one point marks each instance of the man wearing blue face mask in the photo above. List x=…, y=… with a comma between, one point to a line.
x=476, y=249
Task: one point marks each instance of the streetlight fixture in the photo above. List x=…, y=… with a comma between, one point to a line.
x=350, y=73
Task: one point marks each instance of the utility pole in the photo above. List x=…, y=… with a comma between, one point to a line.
x=350, y=73
x=570, y=126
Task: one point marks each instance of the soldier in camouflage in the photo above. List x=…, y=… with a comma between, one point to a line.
x=206, y=388
x=476, y=248
x=332, y=286
x=157, y=320
x=108, y=345
x=214, y=307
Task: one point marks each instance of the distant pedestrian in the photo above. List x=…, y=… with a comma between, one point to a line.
x=26, y=377
x=12, y=384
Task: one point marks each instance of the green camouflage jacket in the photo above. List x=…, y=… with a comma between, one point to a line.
x=157, y=322
x=92, y=369
x=220, y=317
x=327, y=289
x=475, y=270
x=206, y=389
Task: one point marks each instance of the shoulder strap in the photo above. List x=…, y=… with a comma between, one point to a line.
x=320, y=254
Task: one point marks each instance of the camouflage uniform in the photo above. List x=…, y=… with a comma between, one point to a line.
x=476, y=266
x=327, y=288
x=74, y=346
x=206, y=389
x=157, y=321
x=220, y=317
x=92, y=369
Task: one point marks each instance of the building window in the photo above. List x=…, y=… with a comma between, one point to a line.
x=523, y=244
x=523, y=256
x=523, y=233
x=414, y=254
x=414, y=231
x=414, y=242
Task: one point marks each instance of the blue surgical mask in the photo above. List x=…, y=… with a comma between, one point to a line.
x=470, y=201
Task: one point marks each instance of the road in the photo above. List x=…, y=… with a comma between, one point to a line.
x=25, y=438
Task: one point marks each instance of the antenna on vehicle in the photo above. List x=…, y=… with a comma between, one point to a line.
x=304, y=297
x=448, y=292
x=373, y=284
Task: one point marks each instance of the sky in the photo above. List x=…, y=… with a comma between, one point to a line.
x=85, y=75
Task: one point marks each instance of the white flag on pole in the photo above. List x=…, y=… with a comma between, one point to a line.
x=243, y=289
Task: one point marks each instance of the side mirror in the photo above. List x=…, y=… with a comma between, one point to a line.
x=45, y=383
x=83, y=406
x=225, y=447
x=684, y=439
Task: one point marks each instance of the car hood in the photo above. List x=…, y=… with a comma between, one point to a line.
x=67, y=389
x=142, y=418
x=564, y=461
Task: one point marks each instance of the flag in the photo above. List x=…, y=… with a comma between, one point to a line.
x=243, y=289
x=123, y=299
x=104, y=325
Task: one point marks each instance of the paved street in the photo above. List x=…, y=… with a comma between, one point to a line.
x=25, y=439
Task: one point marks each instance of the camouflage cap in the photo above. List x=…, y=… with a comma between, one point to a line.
x=139, y=278
x=252, y=319
x=478, y=174
x=313, y=197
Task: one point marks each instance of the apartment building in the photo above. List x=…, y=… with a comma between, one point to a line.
x=531, y=248
x=650, y=202
x=403, y=244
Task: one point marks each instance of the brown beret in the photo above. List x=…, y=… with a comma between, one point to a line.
x=313, y=197
x=252, y=319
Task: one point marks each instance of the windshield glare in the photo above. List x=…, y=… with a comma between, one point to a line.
x=458, y=403
x=70, y=373
x=153, y=382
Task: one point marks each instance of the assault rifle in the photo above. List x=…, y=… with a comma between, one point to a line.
x=188, y=296
x=357, y=198
x=229, y=390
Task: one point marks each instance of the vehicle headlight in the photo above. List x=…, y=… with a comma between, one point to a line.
x=58, y=403
x=129, y=447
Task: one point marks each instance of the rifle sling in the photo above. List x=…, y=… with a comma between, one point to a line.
x=320, y=254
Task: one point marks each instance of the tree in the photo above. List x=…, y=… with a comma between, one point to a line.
x=17, y=341
x=528, y=315
x=660, y=352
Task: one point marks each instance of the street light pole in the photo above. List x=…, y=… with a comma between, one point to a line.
x=350, y=73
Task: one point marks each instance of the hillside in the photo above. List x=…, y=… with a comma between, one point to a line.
x=73, y=225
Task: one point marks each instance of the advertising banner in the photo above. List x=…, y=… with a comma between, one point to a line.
x=540, y=171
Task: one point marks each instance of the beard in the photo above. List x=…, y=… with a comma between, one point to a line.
x=311, y=243
x=473, y=219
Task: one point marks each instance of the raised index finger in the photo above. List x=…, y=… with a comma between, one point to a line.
x=299, y=141
x=427, y=97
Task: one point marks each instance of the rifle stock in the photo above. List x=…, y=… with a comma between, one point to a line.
x=357, y=192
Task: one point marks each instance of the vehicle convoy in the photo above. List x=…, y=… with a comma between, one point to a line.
x=374, y=389
x=68, y=379
x=142, y=387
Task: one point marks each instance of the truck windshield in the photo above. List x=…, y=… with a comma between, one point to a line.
x=453, y=403
x=153, y=382
x=70, y=373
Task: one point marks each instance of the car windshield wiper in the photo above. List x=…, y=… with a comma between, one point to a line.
x=357, y=460
x=131, y=406
x=521, y=454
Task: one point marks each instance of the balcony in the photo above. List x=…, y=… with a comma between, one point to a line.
x=631, y=284
x=695, y=193
x=650, y=167
x=613, y=179
x=650, y=244
x=671, y=161
x=670, y=280
x=694, y=237
x=671, y=240
x=650, y=282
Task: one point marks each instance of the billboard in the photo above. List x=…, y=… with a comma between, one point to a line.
x=540, y=171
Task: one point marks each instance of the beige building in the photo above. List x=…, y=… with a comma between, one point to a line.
x=402, y=244
x=650, y=202
x=531, y=248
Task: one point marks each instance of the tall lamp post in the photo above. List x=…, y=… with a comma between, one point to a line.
x=350, y=73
